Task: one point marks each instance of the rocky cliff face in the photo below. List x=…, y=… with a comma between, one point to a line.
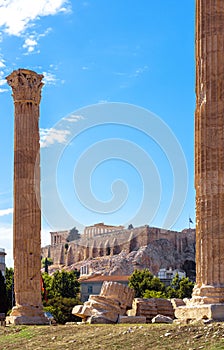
x=156, y=255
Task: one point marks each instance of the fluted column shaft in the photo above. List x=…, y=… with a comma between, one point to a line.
x=26, y=86
x=209, y=151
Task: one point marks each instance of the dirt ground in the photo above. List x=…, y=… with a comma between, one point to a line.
x=108, y=337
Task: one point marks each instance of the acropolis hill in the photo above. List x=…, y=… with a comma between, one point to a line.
x=115, y=250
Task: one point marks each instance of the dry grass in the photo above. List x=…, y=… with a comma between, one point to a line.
x=114, y=337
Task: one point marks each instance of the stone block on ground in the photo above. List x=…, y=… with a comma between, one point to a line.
x=176, y=302
x=151, y=307
x=119, y=292
x=201, y=312
x=164, y=307
x=162, y=319
x=113, y=301
x=81, y=311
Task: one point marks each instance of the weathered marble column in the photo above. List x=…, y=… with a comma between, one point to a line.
x=209, y=162
x=26, y=86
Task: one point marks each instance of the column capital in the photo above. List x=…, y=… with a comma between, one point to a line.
x=26, y=85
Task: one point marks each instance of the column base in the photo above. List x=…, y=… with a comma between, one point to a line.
x=27, y=315
x=199, y=312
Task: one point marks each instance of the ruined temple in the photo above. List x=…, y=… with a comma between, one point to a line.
x=139, y=247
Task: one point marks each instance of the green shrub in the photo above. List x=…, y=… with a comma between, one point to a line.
x=61, y=309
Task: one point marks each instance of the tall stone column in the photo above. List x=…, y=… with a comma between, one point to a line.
x=26, y=86
x=208, y=295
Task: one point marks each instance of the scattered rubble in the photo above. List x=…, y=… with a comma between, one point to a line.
x=162, y=319
x=151, y=308
x=113, y=301
x=116, y=304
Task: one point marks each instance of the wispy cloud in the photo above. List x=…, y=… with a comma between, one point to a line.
x=49, y=78
x=2, y=74
x=103, y=101
x=139, y=71
x=30, y=44
x=18, y=18
x=18, y=15
x=51, y=136
x=6, y=238
x=73, y=118
x=45, y=237
x=32, y=39
x=127, y=78
x=4, y=212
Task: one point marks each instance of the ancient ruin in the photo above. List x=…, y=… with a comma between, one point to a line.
x=149, y=308
x=114, y=300
x=26, y=86
x=116, y=304
x=123, y=250
x=208, y=295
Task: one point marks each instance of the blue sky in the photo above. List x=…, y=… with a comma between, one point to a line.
x=132, y=63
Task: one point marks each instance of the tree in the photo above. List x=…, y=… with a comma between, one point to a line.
x=180, y=288
x=185, y=288
x=154, y=294
x=175, y=283
x=9, y=278
x=45, y=262
x=60, y=294
x=66, y=248
x=3, y=294
x=61, y=309
x=65, y=284
x=143, y=280
x=148, y=286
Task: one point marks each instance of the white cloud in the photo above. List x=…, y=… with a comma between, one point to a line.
x=31, y=41
x=17, y=15
x=4, y=212
x=51, y=136
x=45, y=237
x=139, y=71
x=102, y=101
x=30, y=44
x=47, y=31
x=2, y=74
x=2, y=63
x=2, y=82
x=74, y=118
x=49, y=78
x=6, y=239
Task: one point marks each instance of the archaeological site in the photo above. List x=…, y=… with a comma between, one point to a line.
x=103, y=250
x=123, y=249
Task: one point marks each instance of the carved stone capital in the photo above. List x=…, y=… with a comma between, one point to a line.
x=26, y=85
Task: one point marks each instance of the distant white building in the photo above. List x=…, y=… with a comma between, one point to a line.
x=166, y=276
x=2, y=260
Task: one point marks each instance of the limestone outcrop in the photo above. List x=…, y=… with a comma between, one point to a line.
x=158, y=254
